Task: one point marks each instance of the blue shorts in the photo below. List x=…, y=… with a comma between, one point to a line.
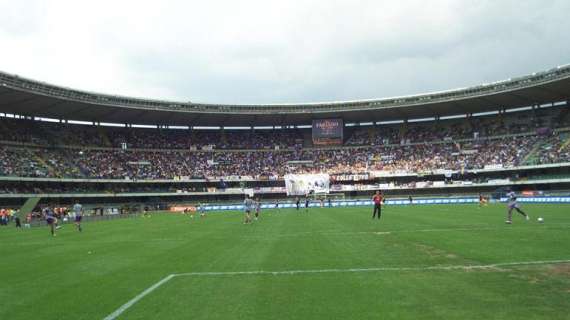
x=50, y=220
x=513, y=205
x=78, y=218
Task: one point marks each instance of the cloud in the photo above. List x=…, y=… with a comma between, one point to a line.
x=279, y=51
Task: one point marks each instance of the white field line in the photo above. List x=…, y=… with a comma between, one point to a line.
x=136, y=299
x=155, y=286
x=352, y=270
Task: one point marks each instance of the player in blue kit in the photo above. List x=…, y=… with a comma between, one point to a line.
x=51, y=220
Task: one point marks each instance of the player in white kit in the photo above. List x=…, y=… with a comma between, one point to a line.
x=513, y=205
x=78, y=212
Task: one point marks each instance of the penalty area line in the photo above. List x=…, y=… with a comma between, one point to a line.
x=136, y=299
x=378, y=269
x=155, y=286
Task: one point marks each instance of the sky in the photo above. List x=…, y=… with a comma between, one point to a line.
x=263, y=51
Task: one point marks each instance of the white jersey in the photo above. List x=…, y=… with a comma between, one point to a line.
x=512, y=197
x=77, y=209
x=248, y=204
x=512, y=200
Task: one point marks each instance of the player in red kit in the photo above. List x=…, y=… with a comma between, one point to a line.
x=377, y=199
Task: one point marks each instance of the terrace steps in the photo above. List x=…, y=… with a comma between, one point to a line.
x=45, y=164
x=565, y=143
x=531, y=158
x=28, y=206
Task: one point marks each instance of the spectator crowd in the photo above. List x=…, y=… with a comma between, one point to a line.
x=137, y=164
x=38, y=149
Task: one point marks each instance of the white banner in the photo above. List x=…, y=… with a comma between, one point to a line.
x=304, y=184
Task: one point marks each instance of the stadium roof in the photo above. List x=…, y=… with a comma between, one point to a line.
x=33, y=98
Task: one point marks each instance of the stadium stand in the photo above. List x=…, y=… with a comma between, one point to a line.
x=53, y=151
x=509, y=133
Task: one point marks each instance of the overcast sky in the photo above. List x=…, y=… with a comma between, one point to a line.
x=263, y=51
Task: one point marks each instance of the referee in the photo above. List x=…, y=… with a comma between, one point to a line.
x=377, y=199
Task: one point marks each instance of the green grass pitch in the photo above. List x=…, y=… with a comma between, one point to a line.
x=89, y=275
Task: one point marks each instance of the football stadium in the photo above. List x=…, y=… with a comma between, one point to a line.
x=451, y=204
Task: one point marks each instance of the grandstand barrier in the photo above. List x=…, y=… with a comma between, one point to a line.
x=281, y=190
x=373, y=175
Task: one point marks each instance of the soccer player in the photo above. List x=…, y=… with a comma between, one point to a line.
x=78, y=212
x=307, y=204
x=28, y=223
x=202, y=210
x=18, y=222
x=410, y=199
x=257, y=208
x=247, y=206
x=3, y=217
x=377, y=199
x=482, y=200
x=513, y=204
x=298, y=202
x=50, y=219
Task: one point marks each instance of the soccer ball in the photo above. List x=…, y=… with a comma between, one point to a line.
x=540, y=220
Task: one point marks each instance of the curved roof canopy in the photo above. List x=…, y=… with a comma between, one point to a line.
x=33, y=98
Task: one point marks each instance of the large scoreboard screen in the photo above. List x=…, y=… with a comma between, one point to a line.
x=327, y=131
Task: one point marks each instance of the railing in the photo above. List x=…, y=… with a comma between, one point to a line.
x=38, y=222
x=360, y=188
